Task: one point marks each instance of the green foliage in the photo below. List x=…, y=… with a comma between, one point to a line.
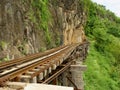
x=57, y=41
x=103, y=30
x=40, y=15
x=101, y=74
x=3, y=45
x=114, y=31
x=4, y=59
x=42, y=49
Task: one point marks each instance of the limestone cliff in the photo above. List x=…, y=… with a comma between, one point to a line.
x=19, y=21
x=70, y=15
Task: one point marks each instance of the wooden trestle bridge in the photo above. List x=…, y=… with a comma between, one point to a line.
x=42, y=67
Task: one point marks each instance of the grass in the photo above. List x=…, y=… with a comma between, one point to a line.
x=100, y=69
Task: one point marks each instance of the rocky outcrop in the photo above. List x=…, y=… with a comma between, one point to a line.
x=17, y=32
x=13, y=29
x=70, y=18
x=20, y=36
x=22, y=31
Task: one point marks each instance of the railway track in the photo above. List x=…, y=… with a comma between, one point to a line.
x=14, y=62
x=36, y=65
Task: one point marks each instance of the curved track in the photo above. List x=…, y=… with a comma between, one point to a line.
x=37, y=63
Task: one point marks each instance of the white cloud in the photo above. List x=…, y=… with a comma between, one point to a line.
x=113, y=5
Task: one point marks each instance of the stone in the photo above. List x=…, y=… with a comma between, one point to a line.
x=78, y=67
x=76, y=73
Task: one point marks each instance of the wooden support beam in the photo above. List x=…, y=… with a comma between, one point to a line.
x=50, y=69
x=41, y=76
x=54, y=66
x=29, y=73
x=61, y=61
x=34, y=79
x=35, y=70
x=25, y=78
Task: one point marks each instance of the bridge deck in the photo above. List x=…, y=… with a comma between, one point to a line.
x=41, y=67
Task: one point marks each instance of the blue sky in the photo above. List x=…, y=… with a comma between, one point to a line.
x=112, y=5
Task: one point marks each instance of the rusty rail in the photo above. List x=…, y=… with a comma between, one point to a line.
x=18, y=61
x=39, y=61
x=49, y=60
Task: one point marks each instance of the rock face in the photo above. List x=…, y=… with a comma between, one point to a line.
x=12, y=29
x=20, y=36
x=71, y=18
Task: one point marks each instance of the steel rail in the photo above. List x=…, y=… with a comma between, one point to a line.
x=50, y=58
x=8, y=64
x=49, y=64
x=34, y=61
x=22, y=70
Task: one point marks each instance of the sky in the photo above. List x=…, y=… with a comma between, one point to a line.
x=112, y=5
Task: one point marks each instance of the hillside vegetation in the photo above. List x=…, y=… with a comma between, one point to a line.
x=103, y=31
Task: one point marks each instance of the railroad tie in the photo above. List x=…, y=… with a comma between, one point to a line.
x=25, y=78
